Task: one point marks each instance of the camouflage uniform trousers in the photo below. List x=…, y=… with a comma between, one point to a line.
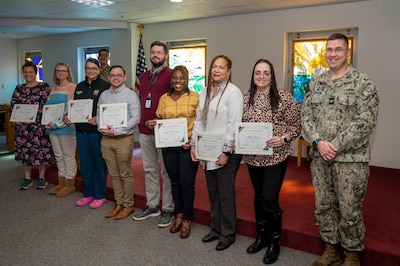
x=340, y=189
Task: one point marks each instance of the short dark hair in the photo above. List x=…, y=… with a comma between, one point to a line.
x=158, y=43
x=103, y=50
x=30, y=64
x=94, y=61
x=339, y=36
x=116, y=66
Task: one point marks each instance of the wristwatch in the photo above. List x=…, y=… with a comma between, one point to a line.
x=315, y=142
x=227, y=153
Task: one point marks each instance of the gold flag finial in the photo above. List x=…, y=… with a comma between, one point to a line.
x=140, y=27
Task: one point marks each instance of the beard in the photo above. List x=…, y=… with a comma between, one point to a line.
x=157, y=64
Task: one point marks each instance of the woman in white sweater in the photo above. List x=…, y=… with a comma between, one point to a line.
x=220, y=108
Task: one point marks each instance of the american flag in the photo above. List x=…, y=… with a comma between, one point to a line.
x=141, y=66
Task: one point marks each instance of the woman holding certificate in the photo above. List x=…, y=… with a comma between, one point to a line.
x=92, y=166
x=32, y=143
x=265, y=103
x=220, y=108
x=62, y=136
x=180, y=102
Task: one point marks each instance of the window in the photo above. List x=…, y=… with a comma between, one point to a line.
x=191, y=54
x=85, y=53
x=36, y=57
x=92, y=52
x=306, y=58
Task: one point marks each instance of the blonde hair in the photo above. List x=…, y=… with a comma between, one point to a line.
x=69, y=78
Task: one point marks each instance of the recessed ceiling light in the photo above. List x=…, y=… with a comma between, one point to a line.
x=176, y=1
x=94, y=2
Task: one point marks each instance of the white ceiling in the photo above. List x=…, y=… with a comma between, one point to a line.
x=25, y=19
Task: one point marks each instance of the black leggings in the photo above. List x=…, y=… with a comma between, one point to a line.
x=267, y=183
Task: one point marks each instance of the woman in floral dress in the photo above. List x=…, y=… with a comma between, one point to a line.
x=32, y=143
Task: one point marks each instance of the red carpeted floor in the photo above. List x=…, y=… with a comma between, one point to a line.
x=381, y=209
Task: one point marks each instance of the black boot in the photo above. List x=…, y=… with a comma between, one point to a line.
x=274, y=232
x=261, y=240
x=261, y=224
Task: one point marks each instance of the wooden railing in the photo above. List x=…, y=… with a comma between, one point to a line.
x=9, y=128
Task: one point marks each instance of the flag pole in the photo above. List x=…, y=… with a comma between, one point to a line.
x=141, y=59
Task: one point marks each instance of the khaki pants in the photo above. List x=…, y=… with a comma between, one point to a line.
x=117, y=153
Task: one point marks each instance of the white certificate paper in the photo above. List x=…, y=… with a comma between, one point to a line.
x=251, y=138
x=24, y=113
x=209, y=146
x=52, y=113
x=80, y=111
x=171, y=132
x=113, y=114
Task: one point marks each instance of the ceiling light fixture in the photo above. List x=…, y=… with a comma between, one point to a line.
x=94, y=2
x=175, y=1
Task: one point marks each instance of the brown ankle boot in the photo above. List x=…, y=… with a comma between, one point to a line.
x=351, y=259
x=176, y=226
x=185, y=231
x=69, y=187
x=57, y=188
x=329, y=258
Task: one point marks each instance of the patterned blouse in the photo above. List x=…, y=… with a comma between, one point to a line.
x=286, y=122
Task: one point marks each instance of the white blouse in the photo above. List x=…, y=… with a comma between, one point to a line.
x=230, y=110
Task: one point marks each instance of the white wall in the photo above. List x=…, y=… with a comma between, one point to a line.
x=8, y=69
x=64, y=48
x=246, y=38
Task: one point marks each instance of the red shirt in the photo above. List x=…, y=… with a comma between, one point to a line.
x=161, y=85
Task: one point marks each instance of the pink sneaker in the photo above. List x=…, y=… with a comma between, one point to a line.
x=84, y=201
x=97, y=203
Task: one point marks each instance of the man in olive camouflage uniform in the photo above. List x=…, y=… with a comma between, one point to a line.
x=339, y=114
x=104, y=56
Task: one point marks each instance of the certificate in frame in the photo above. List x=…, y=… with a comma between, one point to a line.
x=171, y=132
x=25, y=113
x=250, y=138
x=209, y=145
x=80, y=111
x=113, y=114
x=52, y=113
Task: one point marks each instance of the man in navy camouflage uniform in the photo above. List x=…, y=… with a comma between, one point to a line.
x=339, y=114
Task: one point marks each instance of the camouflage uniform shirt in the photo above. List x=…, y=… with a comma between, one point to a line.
x=104, y=73
x=343, y=112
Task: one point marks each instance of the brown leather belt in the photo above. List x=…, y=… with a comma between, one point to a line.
x=120, y=136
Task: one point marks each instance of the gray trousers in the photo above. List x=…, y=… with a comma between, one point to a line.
x=221, y=191
x=151, y=157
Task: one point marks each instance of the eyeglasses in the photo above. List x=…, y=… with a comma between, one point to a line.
x=338, y=50
x=61, y=71
x=116, y=75
x=156, y=52
x=91, y=68
x=262, y=73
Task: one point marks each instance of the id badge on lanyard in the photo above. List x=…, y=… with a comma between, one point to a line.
x=147, y=103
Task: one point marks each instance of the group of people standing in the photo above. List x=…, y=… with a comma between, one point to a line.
x=338, y=116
